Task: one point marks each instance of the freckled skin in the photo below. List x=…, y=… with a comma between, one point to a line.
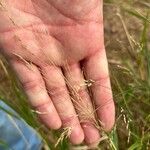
x=51, y=34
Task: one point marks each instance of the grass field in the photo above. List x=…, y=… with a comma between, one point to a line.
x=127, y=41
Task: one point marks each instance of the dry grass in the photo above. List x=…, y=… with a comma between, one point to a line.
x=128, y=45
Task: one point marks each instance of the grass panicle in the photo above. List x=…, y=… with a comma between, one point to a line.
x=130, y=76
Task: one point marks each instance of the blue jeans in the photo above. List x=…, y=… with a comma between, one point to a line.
x=15, y=134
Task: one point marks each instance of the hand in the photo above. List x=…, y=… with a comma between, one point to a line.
x=49, y=43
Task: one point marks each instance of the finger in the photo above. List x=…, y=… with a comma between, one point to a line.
x=82, y=102
x=34, y=86
x=59, y=94
x=96, y=69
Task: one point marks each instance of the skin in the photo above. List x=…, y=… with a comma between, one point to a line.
x=50, y=41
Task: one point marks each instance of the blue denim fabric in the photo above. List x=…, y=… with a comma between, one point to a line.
x=15, y=133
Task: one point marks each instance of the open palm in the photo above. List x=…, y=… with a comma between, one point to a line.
x=50, y=43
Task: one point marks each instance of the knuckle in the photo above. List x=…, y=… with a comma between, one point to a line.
x=81, y=94
x=43, y=108
x=102, y=83
x=67, y=120
x=105, y=104
x=102, y=79
x=33, y=84
x=58, y=91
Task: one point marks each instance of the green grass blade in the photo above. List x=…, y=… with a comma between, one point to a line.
x=135, y=146
x=4, y=145
x=137, y=14
x=114, y=139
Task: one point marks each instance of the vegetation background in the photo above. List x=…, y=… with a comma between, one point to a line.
x=127, y=41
